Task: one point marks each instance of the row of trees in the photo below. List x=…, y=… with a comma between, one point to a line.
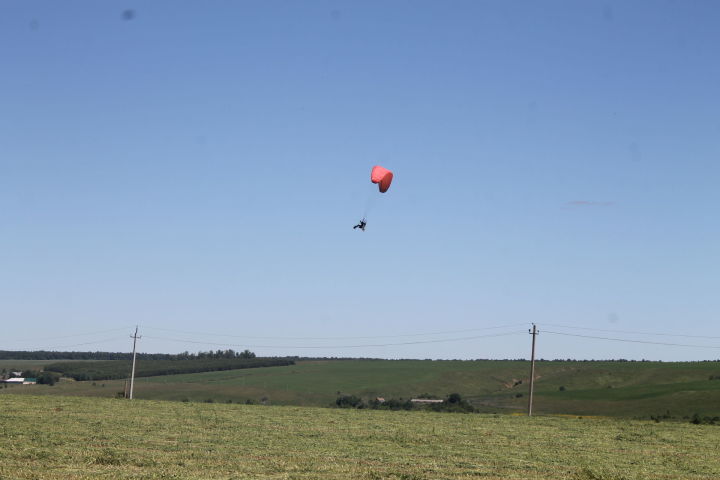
x=48, y=355
x=109, y=370
x=452, y=403
x=229, y=353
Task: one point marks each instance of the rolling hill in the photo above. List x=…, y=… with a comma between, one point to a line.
x=628, y=389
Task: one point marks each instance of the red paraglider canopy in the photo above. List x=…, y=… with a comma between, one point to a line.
x=382, y=176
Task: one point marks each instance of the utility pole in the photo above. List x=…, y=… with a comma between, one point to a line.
x=132, y=375
x=534, y=334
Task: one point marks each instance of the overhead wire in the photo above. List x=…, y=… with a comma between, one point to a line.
x=69, y=336
x=445, y=332
x=631, y=341
x=631, y=332
x=81, y=344
x=415, y=342
x=335, y=346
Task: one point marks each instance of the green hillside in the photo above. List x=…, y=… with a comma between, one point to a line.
x=64, y=438
x=9, y=365
x=631, y=389
x=117, y=369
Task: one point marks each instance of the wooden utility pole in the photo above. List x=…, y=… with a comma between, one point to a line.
x=534, y=334
x=132, y=374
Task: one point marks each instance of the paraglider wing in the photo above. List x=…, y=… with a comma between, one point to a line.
x=382, y=176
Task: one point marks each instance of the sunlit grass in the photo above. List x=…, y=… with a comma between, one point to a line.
x=83, y=438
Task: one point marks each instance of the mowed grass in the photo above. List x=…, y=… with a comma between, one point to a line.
x=629, y=389
x=46, y=437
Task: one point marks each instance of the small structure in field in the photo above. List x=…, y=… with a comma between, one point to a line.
x=423, y=401
x=21, y=381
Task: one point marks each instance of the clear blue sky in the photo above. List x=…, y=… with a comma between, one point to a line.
x=198, y=166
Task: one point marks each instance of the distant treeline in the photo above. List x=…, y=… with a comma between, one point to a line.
x=48, y=355
x=609, y=360
x=51, y=355
x=111, y=370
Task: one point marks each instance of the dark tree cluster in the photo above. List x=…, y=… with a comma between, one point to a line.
x=697, y=419
x=453, y=403
x=42, y=377
x=349, y=401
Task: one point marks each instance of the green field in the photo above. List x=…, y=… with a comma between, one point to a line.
x=9, y=365
x=629, y=389
x=63, y=438
x=118, y=369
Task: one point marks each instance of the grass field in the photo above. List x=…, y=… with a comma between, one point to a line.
x=28, y=364
x=63, y=438
x=630, y=389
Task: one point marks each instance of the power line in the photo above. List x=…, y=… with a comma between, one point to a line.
x=69, y=336
x=334, y=338
x=335, y=346
x=631, y=341
x=80, y=344
x=631, y=332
